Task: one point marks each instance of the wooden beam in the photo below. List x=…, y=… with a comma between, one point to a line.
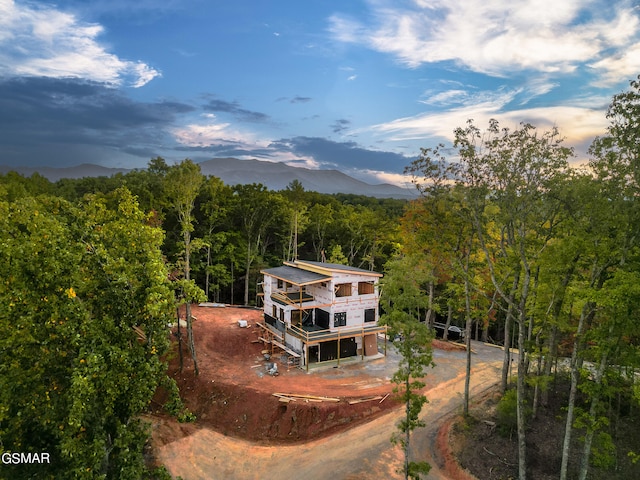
x=365, y=399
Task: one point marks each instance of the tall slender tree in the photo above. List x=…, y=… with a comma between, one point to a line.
x=412, y=339
x=182, y=185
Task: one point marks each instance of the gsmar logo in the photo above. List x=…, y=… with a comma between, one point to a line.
x=15, y=458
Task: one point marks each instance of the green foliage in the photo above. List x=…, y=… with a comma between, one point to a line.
x=417, y=469
x=603, y=451
x=412, y=339
x=404, y=286
x=507, y=418
x=84, y=305
x=336, y=255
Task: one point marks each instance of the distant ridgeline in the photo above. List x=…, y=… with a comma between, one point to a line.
x=232, y=171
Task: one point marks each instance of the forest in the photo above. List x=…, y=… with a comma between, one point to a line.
x=512, y=238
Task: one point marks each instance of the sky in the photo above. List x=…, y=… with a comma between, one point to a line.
x=359, y=86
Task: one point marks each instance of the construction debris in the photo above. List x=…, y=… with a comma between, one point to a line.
x=272, y=369
x=365, y=399
x=306, y=398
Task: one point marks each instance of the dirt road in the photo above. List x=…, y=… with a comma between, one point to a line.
x=362, y=452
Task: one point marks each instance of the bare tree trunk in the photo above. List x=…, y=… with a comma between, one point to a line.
x=407, y=433
x=445, y=335
x=179, y=339
x=246, y=275
x=531, y=319
x=187, y=276
x=588, y=438
x=429, y=317
x=207, y=274
x=467, y=377
x=575, y=376
x=552, y=353
x=521, y=389
x=192, y=345
x=506, y=362
x=536, y=391
x=232, y=281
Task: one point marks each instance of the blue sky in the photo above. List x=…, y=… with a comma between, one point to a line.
x=358, y=85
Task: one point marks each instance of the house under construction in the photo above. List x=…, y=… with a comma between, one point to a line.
x=319, y=312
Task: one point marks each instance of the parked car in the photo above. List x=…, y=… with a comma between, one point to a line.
x=454, y=332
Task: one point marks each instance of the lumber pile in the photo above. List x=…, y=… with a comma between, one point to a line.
x=292, y=397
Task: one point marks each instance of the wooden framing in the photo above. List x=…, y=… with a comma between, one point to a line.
x=314, y=304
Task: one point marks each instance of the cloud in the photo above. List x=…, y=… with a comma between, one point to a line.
x=40, y=41
x=494, y=37
x=71, y=121
x=623, y=65
x=299, y=99
x=234, y=109
x=295, y=99
x=341, y=125
x=376, y=177
x=212, y=134
x=574, y=121
x=328, y=153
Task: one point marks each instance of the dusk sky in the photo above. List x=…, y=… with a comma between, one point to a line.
x=355, y=85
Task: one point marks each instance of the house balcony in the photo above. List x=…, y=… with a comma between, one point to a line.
x=311, y=334
x=291, y=298
x=314, y=334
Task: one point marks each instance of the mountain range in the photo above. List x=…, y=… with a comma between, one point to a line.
x=232, y=171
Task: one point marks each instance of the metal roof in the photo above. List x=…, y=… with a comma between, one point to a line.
x=296, y=276
x=335, y=267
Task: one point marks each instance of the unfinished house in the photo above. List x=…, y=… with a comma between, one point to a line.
x=320, y=312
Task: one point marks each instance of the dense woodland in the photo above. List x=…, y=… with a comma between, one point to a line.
x=509, y=239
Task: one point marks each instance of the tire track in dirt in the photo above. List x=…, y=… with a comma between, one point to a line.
x=360, y=453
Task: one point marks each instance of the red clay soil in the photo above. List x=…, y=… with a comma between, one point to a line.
x=233, y=393
x=447, y=455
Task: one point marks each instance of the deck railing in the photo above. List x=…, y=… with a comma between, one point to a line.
x=317, y=336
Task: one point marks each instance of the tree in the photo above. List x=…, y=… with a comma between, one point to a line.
x=84, y=304
x=255, y=212
x=182, y=185
x=321, y=217
x=294, y=193
x=613, y=241
x=508, y=177
x=214, y=208
x=412, y=339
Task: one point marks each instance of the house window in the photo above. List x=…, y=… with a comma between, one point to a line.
x=322, y=318
x=343, y=290
x=274, y=312
x=280, y=284
x=370, y=315
x=365, y=288
x=340, y=319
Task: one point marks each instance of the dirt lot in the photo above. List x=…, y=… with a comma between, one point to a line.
x=243, y=431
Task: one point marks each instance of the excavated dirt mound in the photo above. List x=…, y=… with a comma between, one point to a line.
x=233, y=392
